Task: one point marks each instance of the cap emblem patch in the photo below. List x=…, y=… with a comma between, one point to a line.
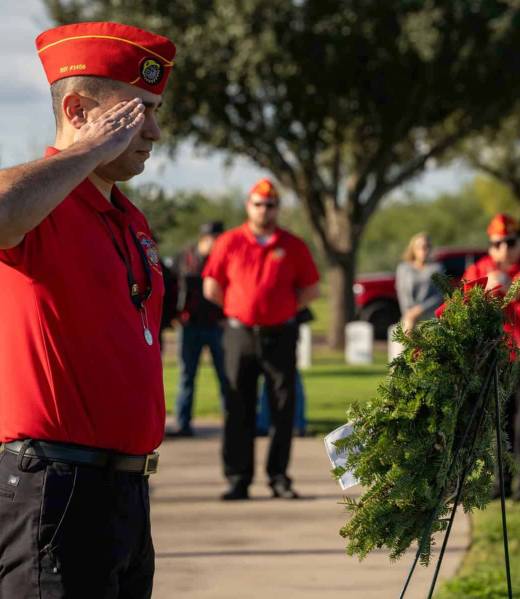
x=151, y=71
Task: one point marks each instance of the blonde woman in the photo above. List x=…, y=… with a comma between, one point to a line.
x=418, y=296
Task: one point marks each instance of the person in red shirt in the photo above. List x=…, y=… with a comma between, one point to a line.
x=502, y=263
x=261, y=275
x=501, y=266
x=81, y=398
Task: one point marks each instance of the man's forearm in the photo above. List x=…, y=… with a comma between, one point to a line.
x=30, y=192
x=308, y=295
x=213, y=291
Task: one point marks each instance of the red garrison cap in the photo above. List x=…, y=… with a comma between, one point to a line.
x=503, y=225
x=111, y=50
x=265, y=189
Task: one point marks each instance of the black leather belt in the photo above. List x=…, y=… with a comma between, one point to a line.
x=85, y=456
x=234, y=323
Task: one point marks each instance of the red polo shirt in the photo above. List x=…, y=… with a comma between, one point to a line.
x=484, y=266
x=74, y=364
x=260, y=282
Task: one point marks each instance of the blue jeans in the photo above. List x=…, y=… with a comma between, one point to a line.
x=192, y=339
x=263, y=417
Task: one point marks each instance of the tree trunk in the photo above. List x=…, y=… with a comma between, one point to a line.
x=341, y=298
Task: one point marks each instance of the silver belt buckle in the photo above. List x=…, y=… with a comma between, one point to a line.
x=151, y=463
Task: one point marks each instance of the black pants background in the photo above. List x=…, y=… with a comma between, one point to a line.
x=97, y=547
x=247, y=354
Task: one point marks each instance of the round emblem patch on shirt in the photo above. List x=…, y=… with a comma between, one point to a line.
x=278, y=253
x=151, y=71
x=151, y=250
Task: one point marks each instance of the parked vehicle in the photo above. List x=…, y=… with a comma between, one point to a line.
x=376, y=297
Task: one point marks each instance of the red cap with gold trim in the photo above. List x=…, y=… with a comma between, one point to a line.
x=502, y=225
x=265, y=189
x=111, y=50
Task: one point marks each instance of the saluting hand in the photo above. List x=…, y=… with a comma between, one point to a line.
x=111, y=133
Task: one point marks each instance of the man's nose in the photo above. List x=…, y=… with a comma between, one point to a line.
x=151, y=129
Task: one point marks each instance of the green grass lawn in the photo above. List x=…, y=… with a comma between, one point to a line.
x=482, y=575
x=330, y=386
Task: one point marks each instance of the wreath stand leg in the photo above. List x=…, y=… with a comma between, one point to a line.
x=502, y=491
x=480, y=404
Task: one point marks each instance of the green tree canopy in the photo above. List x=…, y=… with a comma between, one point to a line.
x=496, y=152
x=342, y=100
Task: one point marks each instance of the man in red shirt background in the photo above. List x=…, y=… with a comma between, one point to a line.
x=81, y=394
x=501, y=266
x=502, y=263
x=261, y=275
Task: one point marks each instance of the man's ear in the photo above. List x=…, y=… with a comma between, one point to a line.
x=74, y=109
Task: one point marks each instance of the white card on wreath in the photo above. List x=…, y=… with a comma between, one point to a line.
x=338, y=457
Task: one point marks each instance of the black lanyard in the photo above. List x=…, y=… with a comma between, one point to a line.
x=138, y=298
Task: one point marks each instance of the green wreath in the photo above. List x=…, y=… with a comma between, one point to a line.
x=408, y=447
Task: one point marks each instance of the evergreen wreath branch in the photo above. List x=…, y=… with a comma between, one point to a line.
x=411, y=444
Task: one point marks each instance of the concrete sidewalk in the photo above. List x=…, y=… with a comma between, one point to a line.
x=208, y=549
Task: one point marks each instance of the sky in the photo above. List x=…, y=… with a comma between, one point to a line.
x=27, y=124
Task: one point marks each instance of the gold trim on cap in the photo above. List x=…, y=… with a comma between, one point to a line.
x=168, y=63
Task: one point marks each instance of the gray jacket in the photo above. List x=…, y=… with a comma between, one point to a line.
x=414, y=286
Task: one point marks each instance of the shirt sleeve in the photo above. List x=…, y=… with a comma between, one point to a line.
x=471, y=273
x=26, y=256
x=18, y=256
x=6, y=256
x=216, y=265
x=306, y=271
x=480, y=268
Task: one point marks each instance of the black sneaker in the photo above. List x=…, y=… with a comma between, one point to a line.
x=283, y=490
x=236, y=493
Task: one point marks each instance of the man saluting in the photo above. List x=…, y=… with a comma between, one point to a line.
x=81, y=394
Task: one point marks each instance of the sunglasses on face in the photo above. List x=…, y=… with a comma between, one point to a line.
x=268, y=205
x=509, y=241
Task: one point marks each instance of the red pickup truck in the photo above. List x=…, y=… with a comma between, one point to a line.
x=376, y=297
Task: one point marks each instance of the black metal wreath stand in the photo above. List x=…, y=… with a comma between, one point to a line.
x=481, y=406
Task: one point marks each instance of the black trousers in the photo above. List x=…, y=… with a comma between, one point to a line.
x=73, y=532
x=247, y=354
